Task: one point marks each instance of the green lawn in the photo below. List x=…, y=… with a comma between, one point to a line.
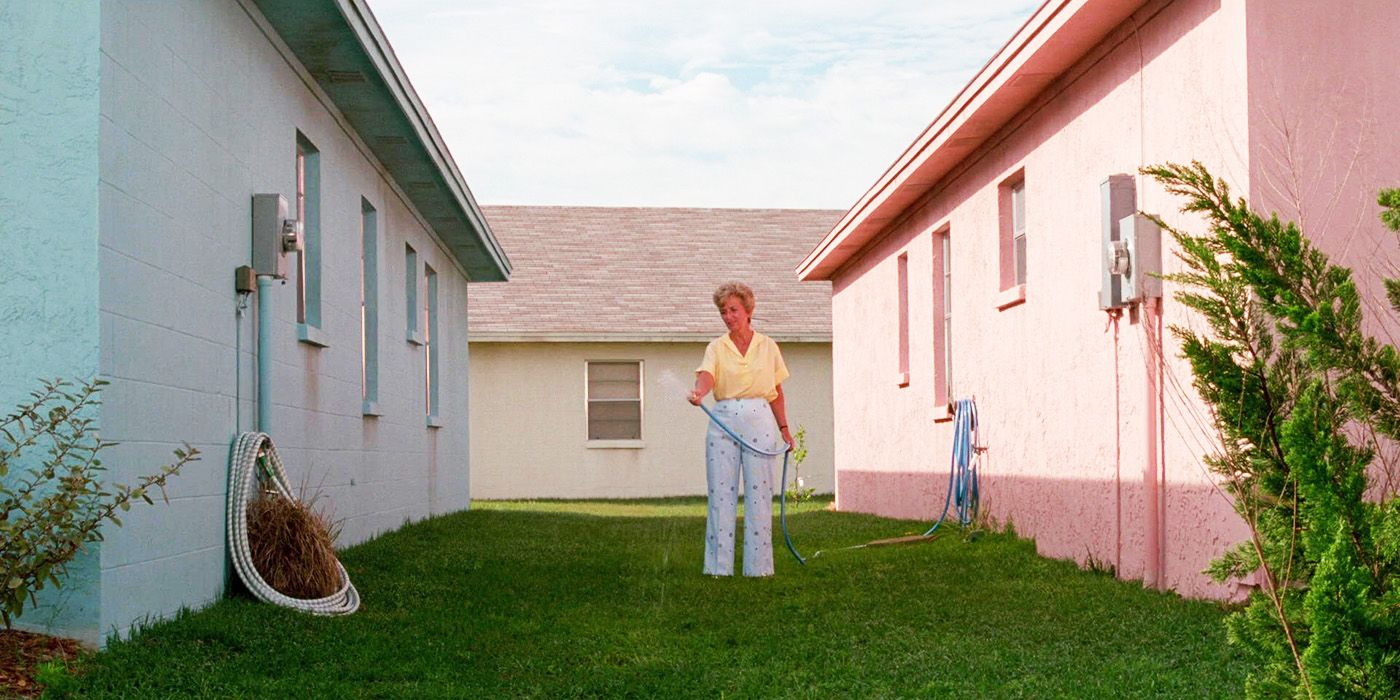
x=606, y=599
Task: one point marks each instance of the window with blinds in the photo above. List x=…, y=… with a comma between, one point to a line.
x=614, y=399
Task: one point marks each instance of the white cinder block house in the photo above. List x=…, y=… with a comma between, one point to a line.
x=580, y=364
x=133, y=136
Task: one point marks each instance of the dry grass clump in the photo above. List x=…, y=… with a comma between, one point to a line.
x=293, y=546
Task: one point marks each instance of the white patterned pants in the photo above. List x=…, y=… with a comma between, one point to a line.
x=752, y=420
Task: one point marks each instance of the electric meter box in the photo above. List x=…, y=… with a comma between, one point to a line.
x=1118, y=198
x=274, y=235
x=1143, y=241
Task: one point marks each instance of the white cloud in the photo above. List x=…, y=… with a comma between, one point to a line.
x=799, y=104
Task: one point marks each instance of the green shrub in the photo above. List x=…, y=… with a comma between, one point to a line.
x=1300, y=398
x=49, y=511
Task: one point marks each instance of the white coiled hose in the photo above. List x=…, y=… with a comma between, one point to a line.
x=243, y=480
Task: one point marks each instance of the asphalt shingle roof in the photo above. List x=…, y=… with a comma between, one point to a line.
x=628, y=274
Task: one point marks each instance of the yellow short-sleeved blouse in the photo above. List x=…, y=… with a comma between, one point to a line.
x=753, y=375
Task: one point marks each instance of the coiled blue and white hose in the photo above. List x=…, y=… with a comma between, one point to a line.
x=963, y=487
x=251, y=452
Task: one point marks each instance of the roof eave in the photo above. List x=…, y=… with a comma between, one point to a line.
x=1049, y=42
x=336, y=39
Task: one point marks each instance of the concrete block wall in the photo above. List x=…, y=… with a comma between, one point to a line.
x=200, y=109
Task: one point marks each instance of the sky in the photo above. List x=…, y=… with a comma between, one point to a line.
x=799, y=104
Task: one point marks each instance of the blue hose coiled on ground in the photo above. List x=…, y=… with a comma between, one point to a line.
x=782, y=485
x=963, y=487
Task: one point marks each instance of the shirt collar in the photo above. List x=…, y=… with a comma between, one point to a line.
x=752, y=342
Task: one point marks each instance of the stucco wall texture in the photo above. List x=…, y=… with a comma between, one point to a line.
x=528, y=419
x=1064, y=392
x=199, y=108
x=49, y=84
x=1068, y=413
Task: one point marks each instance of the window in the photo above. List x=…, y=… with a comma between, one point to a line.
x=614, y=400
x=1011, y=200
x=431, y=344
x=308, y=179
x=903, y=291
x=369, y=308
x=943, y=318
x=1018, y=230
x=410, y=285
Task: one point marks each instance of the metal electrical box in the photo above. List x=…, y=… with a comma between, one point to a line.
x=1143, y=241
x=1118, y=196
x=274, y=235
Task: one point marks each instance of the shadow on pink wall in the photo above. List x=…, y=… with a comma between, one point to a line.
x=1090, y=522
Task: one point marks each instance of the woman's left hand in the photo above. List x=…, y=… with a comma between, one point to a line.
x=787, y=437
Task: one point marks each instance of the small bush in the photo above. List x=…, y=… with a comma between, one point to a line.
x=799, y=491
x=52, y=509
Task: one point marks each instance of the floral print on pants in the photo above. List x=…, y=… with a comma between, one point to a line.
x=752, y=420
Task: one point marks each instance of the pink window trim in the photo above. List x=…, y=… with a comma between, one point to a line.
x=903, y=274
x=1008, y=298
x=1006, y=228
x=940, y=315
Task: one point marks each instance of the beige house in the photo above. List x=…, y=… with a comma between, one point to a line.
x=579, y=365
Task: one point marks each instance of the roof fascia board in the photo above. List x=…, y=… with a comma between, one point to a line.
x=979, y=99
x=290, y=58
x=380, y=53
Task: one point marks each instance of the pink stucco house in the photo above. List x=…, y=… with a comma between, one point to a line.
x=974, y=266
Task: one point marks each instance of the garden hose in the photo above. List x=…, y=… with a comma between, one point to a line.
x=782, y=499
x=963, y=487
x=254, y=452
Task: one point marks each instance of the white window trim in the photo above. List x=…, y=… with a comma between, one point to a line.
x=369, y=308
x=641, y=406
x=432, y=349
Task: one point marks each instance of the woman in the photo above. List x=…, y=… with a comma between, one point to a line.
x=746, y=371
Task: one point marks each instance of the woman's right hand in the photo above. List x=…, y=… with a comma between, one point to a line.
x=704, y=382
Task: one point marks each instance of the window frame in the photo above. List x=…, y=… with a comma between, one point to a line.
x=369, y=308
x=902, y=346
x=308, y=212
x=412, y=326
x=1017, y=192
x=942, y=279
x=1012, y=239
x=432, y=349
x=588, y=401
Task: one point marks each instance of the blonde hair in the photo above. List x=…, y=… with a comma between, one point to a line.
x=734, y=289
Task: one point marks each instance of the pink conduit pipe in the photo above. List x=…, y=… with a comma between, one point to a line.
x=1114, y=317
x=1154, y=486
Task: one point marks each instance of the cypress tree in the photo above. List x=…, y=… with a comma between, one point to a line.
x=1299, y=394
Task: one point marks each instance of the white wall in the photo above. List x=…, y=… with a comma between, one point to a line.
x=529, y=432
x=200, y=110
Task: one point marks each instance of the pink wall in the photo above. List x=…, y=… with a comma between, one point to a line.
x=1083, y=455
x=1323, y=134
